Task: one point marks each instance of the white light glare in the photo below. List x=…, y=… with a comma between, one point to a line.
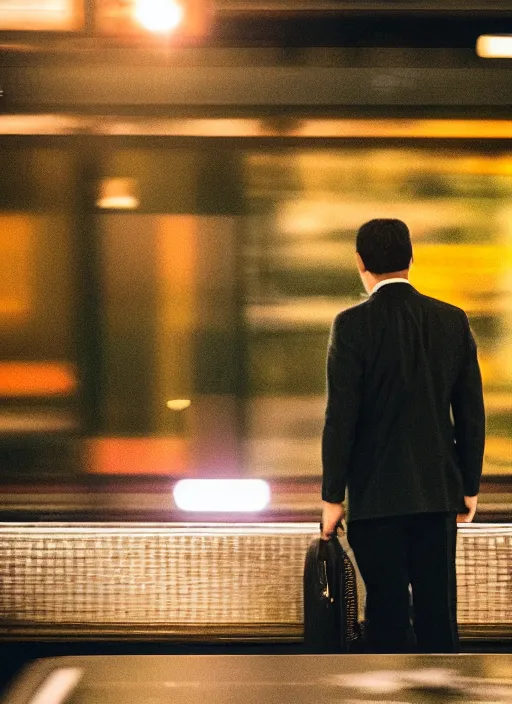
x=498, y=46
x=57, y=687
x=158, y=15
x=222, y=495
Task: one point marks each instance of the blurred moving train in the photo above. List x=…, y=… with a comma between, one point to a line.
x=177, y=233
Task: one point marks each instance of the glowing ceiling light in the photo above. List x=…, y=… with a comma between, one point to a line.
x=158, y=15
x=222, y=495
x=497, y=46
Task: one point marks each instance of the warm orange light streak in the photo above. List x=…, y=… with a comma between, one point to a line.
x=249, y=127
x=36, y=379
x=55, y=16
x=313, y=128
x=131, y=455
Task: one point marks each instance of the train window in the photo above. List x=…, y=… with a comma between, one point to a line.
x=38, y=370
x=218, y=273
x=304, y=206
x=170, y=316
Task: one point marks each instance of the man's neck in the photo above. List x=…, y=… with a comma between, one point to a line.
x=375, y=279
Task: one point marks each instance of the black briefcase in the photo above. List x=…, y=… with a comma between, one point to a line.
x=330, y=600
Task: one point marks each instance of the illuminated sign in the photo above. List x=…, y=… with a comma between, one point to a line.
x=41, y=15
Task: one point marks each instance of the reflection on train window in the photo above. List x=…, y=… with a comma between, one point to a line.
x=38, y=358
x=304, y=209
x=170, y=320
x=170, y=353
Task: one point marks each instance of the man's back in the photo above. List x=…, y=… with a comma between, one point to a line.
x=398, y=365
x=404, y=430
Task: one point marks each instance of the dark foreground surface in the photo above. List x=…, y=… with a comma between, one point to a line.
x=310, y=679
x=16, y=656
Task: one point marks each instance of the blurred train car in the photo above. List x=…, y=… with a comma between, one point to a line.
x=176, y=235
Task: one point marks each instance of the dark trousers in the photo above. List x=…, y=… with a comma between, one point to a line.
x=403, y=553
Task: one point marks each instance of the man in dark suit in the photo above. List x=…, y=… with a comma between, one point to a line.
x=404, y=434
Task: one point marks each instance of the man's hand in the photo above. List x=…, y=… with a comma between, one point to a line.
x=471, y=502
x=331, y=515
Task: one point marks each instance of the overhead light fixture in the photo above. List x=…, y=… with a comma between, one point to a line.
x=118, y=194
x=222, y=495
x=160, y=16
x=182, y=20
x=494, y=46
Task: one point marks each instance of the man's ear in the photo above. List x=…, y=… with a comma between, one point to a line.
x=360, y=263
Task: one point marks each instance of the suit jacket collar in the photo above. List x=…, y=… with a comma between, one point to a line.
x=400, y=287
x=388, y=282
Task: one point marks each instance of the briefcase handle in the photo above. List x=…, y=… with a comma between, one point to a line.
x=340, y=525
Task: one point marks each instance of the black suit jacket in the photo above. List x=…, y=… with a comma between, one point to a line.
x=404, y=427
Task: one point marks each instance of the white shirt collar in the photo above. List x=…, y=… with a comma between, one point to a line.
x=397, y=280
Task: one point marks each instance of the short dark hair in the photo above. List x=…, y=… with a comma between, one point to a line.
x=384, y=245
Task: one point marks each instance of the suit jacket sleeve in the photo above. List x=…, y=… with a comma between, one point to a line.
x=469, y=416
x=344, y=389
